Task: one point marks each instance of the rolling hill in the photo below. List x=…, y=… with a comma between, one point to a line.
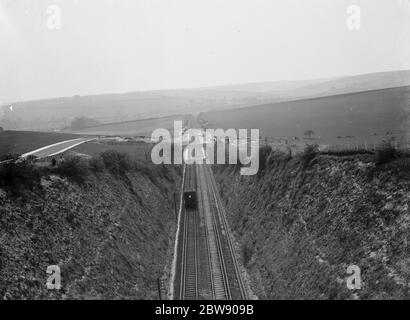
x=52, y=114
x=360, y=115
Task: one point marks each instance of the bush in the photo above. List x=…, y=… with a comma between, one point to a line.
x=74, y=168
x=385, y=153
x=116, y=162
x=97, y=164
x=19, y=176
x=310, y=152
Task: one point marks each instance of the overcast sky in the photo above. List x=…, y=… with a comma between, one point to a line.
x=128, y=45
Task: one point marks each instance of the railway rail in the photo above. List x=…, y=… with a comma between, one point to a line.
x=207, y=267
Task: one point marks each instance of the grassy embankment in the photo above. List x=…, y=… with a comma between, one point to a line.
x=303, y=220
x=107, y=222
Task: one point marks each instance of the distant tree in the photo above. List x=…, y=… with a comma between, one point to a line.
x=83, y=122
x=1, y=129
x=309, y=133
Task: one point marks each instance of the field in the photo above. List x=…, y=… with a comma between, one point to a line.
x=58, y=113
x=358, y=117
x=18, y=142
x=143, y=127
x=135, y=150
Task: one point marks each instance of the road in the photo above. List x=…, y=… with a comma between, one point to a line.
x=56, y=148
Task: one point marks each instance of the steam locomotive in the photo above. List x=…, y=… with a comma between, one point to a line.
x=190, y=197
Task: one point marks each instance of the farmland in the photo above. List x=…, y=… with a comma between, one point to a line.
x=142, y=127
x=360, y=116
x=58, y=113
x=135, y=150
x=18, y=142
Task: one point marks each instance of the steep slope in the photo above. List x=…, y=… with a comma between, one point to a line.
x=112, y=236
x=300, y=228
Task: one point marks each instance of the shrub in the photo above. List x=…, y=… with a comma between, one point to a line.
x=97, y=164
x=385, y=153
x=19, y=176
x=74, y=168
x=310, y=152
x=116, y=162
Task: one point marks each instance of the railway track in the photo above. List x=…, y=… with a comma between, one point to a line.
x=236, y=289
x=190, y=252
x=189, y=287
x=208, y=268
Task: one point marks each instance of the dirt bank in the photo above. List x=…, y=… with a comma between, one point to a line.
x=111, y=236
x=300, y=226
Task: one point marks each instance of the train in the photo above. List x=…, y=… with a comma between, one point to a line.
x=190, y=197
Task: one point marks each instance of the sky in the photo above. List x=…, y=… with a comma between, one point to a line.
x=104, y=46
